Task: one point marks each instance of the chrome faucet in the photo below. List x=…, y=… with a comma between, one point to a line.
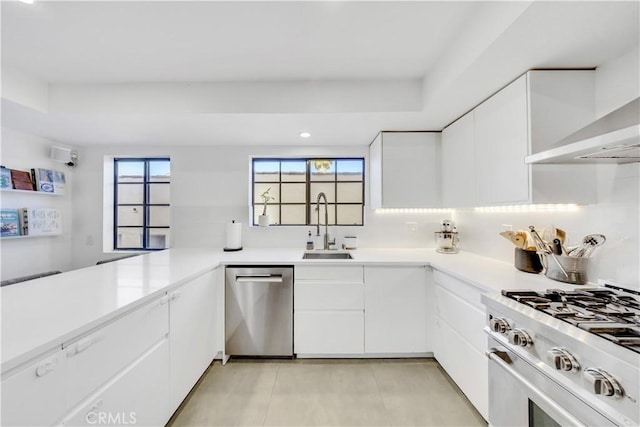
x=327, y=242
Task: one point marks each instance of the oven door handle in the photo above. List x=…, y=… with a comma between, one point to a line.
x=494, y=355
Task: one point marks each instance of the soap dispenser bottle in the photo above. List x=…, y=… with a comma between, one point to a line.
x=309, y=242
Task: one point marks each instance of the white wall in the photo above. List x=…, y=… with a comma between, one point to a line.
x=210, y=187
x=31, y=255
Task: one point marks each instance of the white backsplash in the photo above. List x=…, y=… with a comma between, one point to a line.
x=616, y=215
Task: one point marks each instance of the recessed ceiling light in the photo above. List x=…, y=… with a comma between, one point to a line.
x=305, y=134
x=27, y=1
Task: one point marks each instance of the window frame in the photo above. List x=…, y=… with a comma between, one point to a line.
x=307, y=182
x=145, y=202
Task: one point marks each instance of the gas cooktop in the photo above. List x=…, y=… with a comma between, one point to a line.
x=610, y=312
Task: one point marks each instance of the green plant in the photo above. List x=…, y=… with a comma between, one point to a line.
x=266, y=197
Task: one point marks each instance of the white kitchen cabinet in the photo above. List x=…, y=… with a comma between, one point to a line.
x=404, y=170
x=396, y=310
x=34, y=395
x=95, y=358
x=460, y=342
x=529, y=115
x=139, y=395
x=328, y=309
x=192, y=334
x=458, y=163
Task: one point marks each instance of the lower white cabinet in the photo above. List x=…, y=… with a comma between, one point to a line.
x=34, y=395
x=137, y=396
x=396, y=309
x=359, y=310
x=192, y=334
x=95, y=358
x=460, y=342
x=326, y=332
x=328, y=310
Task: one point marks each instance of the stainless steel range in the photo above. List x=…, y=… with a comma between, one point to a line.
x=564, y=357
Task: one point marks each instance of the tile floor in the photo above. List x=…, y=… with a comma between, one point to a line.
x=309, y=392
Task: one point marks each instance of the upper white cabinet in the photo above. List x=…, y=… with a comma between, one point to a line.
x=404, y=170
x=458, y=163
x=529, y=115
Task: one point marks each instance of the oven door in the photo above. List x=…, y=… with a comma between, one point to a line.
x=521, y=395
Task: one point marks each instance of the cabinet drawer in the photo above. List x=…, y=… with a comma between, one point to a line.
x=95, y=358
x=463, y=317
x=328, y=296
x=328, y=332
x=460, y=288
x=466, y=365
x=137, y=396
x=34, y=396
x=350, y=273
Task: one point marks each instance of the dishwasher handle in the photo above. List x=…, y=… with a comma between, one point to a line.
x=264, y=278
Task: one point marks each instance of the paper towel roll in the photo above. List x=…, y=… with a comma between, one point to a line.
x=234, y=236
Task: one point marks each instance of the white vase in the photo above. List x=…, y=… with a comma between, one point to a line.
x=263, y=220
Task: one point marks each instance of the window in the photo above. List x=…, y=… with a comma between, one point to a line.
x=293, y=186
x=141, y=203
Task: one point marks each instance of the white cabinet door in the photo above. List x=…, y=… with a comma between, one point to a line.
x=137, y=396
x=328, y=332
x=501, y=139
x=405, y=170
x=466, y=365
x=34, y=395
x=192, y=334
x=460, y=341
x=95, y=358
x=458, y=166
x=395, y=310
x=328, y=305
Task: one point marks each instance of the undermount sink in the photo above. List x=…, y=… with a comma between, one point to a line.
x=327, y=255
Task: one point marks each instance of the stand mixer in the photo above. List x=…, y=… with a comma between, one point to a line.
x=447, y=237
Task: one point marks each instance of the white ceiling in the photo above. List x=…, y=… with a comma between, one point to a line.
x=186, y=72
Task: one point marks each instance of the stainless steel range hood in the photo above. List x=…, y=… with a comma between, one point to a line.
x=615, y=138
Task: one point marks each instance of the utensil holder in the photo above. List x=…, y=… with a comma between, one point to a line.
x=527, y=261
x=575, y=267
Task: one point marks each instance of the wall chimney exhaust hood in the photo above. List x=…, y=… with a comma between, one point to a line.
x=614, y=138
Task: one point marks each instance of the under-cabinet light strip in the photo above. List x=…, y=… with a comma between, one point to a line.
x=411, y=210
x=529, y=208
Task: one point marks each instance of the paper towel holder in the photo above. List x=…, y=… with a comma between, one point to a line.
x=227, y=249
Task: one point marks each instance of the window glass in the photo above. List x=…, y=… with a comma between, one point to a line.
x=159, y=170
x=349, y=192
x=266, y=171
x=129, y=194
x=130, y=171
x=294, y=193
x=323, y=170
x=295, y=184
x=294, y=170
x=350, y=170
x=142, y=194
x=130, y=215
x=159, y=194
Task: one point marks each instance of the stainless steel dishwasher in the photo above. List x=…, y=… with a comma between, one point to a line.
x=259, y=311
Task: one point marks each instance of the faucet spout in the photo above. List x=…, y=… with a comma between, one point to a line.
x=327, y=243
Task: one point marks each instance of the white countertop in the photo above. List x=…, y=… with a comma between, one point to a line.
x=42, y=314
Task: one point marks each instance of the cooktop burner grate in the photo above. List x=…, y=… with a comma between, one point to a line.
x=609, y=313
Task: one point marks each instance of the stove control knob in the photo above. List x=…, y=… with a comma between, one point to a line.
x=499, y=324
x=603, y=383
x=563, y=360
x=520, y=337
